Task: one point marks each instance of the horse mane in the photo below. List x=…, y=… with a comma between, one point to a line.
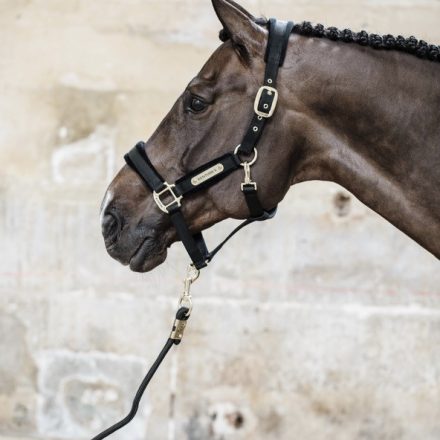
x=411, y=45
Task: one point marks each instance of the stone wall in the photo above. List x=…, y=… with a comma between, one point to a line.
x=331, y=332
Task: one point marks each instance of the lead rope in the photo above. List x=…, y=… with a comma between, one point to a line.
x=184, y=310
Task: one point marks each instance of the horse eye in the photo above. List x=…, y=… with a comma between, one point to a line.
x=197, y=105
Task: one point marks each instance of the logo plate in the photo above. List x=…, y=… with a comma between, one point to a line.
x=207, y=174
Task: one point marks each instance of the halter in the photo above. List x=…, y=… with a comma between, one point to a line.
x=169, y=197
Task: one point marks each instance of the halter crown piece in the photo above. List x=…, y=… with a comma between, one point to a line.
x=169, y=197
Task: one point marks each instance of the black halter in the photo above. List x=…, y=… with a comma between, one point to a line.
x=168, y=197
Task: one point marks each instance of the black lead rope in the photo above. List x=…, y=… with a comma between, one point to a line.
x=182, y=315
x=168, y=197
x=134, y=408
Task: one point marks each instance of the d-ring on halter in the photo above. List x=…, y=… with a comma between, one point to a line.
x=169, y=197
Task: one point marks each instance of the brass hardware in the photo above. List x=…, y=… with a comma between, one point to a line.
x=207, y=174
x=247, y=170
x=254, y=159
x=269, y=113
x=185, y=300
x=247, y=177
x=178, y=329
x=164, y=206
x=192, y=273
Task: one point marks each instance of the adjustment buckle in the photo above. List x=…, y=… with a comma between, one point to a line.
x=268, y=110
x=163, y=206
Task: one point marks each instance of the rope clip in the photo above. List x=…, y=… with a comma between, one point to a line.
x=185, y=302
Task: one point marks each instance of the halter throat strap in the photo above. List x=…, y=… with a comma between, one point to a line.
x=169, y=197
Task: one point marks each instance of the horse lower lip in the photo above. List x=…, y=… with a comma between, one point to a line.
x=142, y=252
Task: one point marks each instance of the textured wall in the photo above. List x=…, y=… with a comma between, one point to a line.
x=330, y=332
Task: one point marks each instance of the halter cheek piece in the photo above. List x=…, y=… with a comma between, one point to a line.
x=169, y=197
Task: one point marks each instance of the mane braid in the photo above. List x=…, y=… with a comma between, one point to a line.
x=410, y=45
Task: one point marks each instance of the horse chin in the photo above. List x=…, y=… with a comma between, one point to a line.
x=148, y=256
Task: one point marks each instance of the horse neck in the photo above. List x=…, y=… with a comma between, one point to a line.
x=369, y=122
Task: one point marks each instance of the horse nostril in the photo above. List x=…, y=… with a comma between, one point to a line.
x=110, y=226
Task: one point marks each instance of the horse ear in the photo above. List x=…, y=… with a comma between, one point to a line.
x=239, y=25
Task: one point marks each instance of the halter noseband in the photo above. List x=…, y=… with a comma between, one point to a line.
x=169, y=197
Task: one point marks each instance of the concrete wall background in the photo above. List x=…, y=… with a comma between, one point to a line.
x=331, y=332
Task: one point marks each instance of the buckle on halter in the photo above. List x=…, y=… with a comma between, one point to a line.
x=163, y=206
x=268, y=109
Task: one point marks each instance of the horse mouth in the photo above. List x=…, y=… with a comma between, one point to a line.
x=148, y=255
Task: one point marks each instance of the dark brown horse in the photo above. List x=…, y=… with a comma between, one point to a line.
x=366, y=119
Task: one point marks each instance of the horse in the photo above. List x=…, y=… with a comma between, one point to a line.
x=357, y=109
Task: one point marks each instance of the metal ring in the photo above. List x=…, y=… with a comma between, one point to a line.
x=252, y=161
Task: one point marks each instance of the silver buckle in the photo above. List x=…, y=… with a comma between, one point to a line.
x=269, y=113
x=162, y=206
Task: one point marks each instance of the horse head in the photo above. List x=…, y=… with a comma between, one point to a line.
x=209, y=119
x=343, y=114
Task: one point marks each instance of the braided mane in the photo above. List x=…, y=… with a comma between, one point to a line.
x=410, y=45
